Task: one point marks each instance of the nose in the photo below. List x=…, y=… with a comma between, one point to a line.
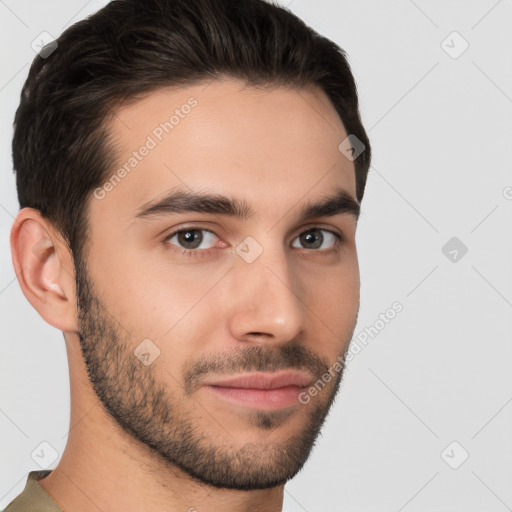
x=267, y=306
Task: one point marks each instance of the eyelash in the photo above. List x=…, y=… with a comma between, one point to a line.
x=206, y=252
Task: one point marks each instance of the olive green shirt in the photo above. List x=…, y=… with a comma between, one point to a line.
x=33, y=498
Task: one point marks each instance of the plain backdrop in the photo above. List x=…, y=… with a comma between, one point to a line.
x=423, y=419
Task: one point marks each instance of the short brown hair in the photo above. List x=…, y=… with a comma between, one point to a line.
x=61, y=150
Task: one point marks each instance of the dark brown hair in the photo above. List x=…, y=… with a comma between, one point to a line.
x=61, y=149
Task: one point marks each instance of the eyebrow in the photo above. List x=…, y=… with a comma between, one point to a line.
x=182, y=201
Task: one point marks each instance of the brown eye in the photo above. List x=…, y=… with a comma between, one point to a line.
x=315, y=239
x=192, y=238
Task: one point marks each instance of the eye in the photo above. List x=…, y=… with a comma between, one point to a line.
x=188, y=241
x=314, y=239
x=192, y=238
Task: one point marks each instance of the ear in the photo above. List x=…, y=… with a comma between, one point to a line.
x=45, y=270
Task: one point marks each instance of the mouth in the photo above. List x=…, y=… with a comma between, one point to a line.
x=268, y=391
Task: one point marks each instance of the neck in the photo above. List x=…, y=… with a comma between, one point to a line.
x=105, y=468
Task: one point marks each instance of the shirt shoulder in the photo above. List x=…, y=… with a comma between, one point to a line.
x=33, y=498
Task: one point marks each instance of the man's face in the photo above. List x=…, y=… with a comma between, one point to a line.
x=229, y=295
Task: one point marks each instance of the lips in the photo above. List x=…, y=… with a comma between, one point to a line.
x=265, y=381
x=260, y=391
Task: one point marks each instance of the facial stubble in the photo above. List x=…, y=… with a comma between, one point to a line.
x=142, y=404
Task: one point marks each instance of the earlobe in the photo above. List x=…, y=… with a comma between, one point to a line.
x=39, y=257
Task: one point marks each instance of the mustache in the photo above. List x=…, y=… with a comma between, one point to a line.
x=253, y=359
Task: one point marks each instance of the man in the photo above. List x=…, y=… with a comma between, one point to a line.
x=190, y=175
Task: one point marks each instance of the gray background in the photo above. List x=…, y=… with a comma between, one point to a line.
x=440, y=124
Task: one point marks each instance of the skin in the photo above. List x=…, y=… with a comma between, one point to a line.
x=152, y=432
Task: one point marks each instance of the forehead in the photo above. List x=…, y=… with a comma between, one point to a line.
x=271, y=146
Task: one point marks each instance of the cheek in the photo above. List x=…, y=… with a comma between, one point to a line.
x=334, y=300
x=148, y=299
x=336, y=279
x=338, y=301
